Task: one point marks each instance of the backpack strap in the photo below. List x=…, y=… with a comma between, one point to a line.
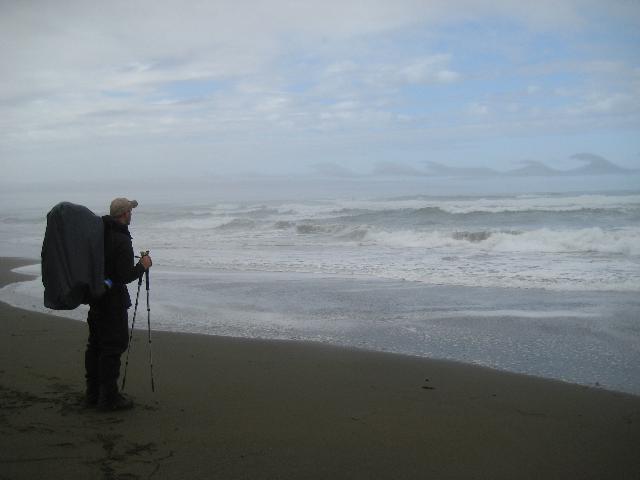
x=108, y=248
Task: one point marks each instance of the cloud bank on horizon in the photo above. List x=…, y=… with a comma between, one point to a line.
x=209, y=88
x=592, y=165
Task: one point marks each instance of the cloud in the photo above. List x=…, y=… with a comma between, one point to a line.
x=137, y=44
x=427, y=70
x=596, y=165
x=374, y=80
x=478, y=109
x=397, y=170
x=606, y=103
x=329, y=169
x=533, y=168
x=439, y=169
x=239, y=84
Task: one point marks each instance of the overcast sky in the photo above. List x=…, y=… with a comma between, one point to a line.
x=94, y=89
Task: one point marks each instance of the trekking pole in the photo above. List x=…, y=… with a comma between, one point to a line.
x=146, y=275
x=133, y=322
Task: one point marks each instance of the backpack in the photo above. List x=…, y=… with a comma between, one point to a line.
x=72, y=257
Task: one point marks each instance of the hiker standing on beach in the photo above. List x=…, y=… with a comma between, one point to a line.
x=108, y=318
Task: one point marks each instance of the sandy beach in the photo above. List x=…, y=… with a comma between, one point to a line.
x=235, y=408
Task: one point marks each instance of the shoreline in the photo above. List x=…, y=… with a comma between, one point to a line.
x=241, y=408
x=7, y=276
x=535, y=333
x=293, y=275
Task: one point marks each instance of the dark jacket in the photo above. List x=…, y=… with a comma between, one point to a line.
x=119, y=264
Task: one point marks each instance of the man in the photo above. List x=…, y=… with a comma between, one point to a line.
x=108, y=319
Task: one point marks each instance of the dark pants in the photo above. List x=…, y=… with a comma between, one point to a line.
x=108, y=339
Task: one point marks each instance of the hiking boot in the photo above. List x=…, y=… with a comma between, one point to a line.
x=110, y=400
x=91, y=399
x=91, y=395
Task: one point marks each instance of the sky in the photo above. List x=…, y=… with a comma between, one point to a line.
x=338, y=88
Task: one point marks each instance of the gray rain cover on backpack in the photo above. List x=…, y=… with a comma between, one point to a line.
x=72, y=257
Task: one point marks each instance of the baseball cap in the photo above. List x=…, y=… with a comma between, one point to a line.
x=121, y=205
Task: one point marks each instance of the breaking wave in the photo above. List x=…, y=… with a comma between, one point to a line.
x=439, y=216
x=238, y=224
x=473, y=237
x=552, y=241
x=544, y=203
x=588, y=240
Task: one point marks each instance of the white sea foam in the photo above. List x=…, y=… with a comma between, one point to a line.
x=502, y=245
x=624, y=241
x=203, y=223
x=543, y=203
x=469, y=205
x=215, y=270
x=575, y=242
x=589, y=240
x=582, y=337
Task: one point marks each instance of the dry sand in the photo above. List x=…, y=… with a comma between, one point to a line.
x=230, y=409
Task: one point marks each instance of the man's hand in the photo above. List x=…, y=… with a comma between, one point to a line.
x=146, y=262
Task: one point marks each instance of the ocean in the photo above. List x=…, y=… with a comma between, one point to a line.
x=542, y=284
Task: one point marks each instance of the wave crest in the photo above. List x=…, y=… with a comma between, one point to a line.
x=589, y=240
x=238, y=224
x=473, y=237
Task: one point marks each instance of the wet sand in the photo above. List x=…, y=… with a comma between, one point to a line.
x=235, y=408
